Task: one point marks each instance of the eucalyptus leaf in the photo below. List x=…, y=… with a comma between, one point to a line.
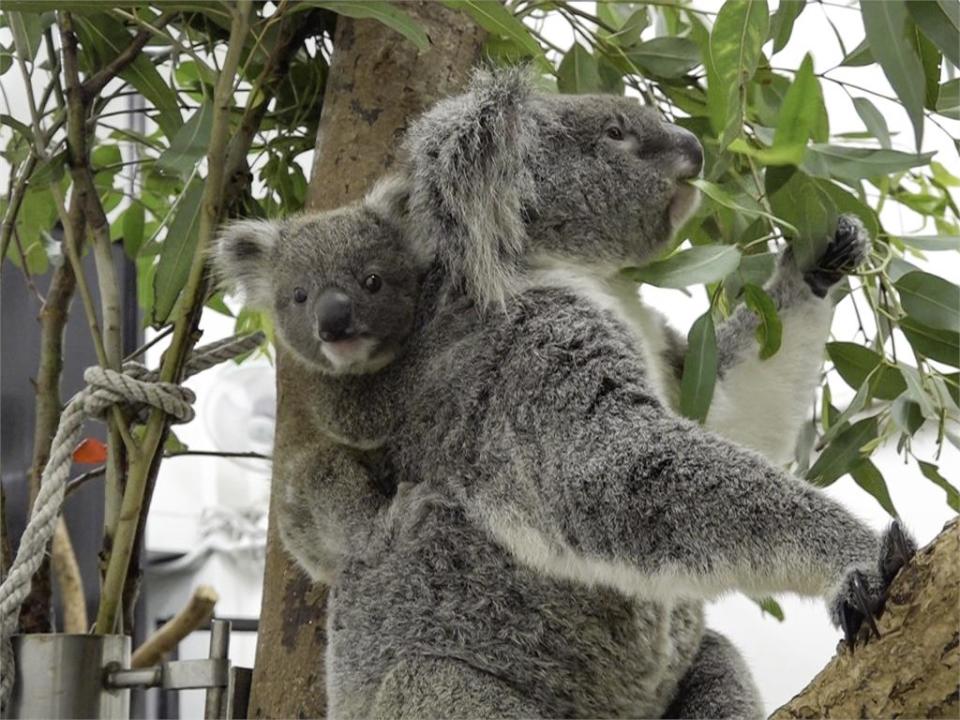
x=495, y=18
x=858, y=57
x=177, y=251
x=738, y=34
x=937, y=25
x=721, y=197
x=781, y=25
x=701, y=264
x=948, y=99
x=932, y=473
x=888, y=27
x=769, y=330
x=387, y=13
x=132, y=229
x=930, y=299
x=189, y=145
x=843, y=453
x=869, y=478
x=932, y=243
x=699, y=369
x=855, y=363
x=906, y=415
x=578, y=72
x=666, y=56
x=940, y=345
x=854, y=163
x=873, y=120
x=771, y=607
x=800, y=111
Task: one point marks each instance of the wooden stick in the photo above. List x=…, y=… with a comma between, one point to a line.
x=67, y=572
x=197, y=612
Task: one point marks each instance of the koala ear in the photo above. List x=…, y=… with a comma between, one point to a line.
x=242, y=258
x=471, y=171
x=389, y=199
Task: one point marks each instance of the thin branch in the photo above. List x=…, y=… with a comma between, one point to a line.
x=92, y=86
x=218, y=453
x=82, y=479
x=149, y=344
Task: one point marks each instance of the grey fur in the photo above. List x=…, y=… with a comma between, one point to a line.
x=565, y=525
x=338, y=493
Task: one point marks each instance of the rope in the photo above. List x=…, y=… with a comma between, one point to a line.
x=135, y=387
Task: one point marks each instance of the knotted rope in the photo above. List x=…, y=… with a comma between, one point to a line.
x=136, y=388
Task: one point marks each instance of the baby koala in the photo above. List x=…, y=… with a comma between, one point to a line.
x=341, y=288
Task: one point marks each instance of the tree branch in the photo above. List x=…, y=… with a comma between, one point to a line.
x=196, y=613
x=912, y=670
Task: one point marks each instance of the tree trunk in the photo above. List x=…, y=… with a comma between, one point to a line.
x=378, y=81
x=913, y=669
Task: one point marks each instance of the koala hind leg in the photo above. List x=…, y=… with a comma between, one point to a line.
x=717, y=684
x=418, y=688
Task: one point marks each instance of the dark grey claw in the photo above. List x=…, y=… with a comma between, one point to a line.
x=843, y=254
x=863, y=603
x=896, y=551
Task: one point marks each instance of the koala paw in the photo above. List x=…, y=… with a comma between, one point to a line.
x=845, y=252
x=864, y=591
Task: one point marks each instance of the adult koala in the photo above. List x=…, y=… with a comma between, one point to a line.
x=567, y=524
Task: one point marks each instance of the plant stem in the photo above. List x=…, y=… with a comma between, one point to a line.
x=184, y=335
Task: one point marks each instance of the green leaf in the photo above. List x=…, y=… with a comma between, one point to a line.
x=873, y=120
x=106, y=38
x=629, y=30
x=854, y=163
x=699, y=369
x=809, y=211
x=940, y=345
x=132, y=229
x=843, y=453
x=869, y=477
x=738, y=35
x=906, y=415
x=189, y=145
x=578, y=72
x=384, y=12
x=27, y=32
x=932, y=243
x=859, y=56
x=701, y=264
x=770, y=329
x=888, y=29
x=855, y=364
x=721, y=197
x=938, y=25
x=800, y=111
x=916, y=390
x=498, y=20
x=771, y=607
x=781, y=26
x=176, y=252
x=932, y=473
x=930, y=299
x=948, y=100
x=931, y=60
x=667, y=57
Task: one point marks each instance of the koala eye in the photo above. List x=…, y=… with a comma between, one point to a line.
x=299, y=295
x=614, y=133
x=372, y=283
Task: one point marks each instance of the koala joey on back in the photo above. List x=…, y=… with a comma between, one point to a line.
x=342, y=290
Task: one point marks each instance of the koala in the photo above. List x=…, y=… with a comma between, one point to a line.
x=566, y=524
x=341, y=288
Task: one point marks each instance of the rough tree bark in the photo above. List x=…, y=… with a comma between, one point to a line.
x=378, y=81
x=913, y=669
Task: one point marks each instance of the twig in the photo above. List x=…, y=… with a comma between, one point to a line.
x=183, y=335
x=196, y=613
x=92, y=86
x=81, y=479
x=149, y=344
x=66, y=570
x=217, y=453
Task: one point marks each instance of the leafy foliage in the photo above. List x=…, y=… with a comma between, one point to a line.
x=776, y=172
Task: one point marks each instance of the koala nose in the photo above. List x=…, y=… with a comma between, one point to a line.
x=691, y=152
x=335, y=313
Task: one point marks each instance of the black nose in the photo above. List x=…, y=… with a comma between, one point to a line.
x=691, y=151
x=335, y=313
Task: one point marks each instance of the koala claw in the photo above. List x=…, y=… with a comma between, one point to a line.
x=865, y=592
x=844, y=253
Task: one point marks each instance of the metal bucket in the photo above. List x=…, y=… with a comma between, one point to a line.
x=62, y=676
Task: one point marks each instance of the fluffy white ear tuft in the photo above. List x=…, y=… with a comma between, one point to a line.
x=242, y=259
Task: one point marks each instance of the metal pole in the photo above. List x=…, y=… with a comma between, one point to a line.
x=219, y=649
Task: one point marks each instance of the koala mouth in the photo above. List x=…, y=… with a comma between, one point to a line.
x=348, y=354
x=683, y=204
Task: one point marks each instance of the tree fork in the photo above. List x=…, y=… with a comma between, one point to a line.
x=376, y=84
x=913, y=669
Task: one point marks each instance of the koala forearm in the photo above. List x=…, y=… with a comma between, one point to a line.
x=759, y=403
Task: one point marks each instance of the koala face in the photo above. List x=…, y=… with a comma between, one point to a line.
x=610, y=179
x=342, y=286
